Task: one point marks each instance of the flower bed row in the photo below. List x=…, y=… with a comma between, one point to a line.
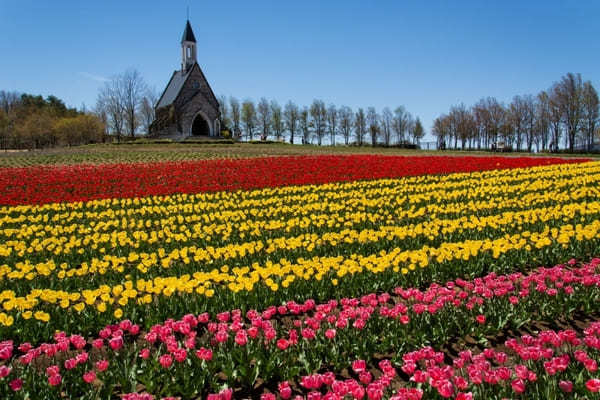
x=200, y=353
x=41, y=185
x=549, y=365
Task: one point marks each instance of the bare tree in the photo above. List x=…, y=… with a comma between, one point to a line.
x=360, y=126
x=373, y=124
x=9, y=101
x=103, y=117
x=518, y=116
x=109, y=101
x=497, y=115
x=482, y=122
x=529, y=120
x=264, y=117
x=507, y=130
x=463, y=124
x=318, y=114
x=418, y=131
x=555, y=117
x=236, y=116
x=304, y=122
x=249, y=118
x=147, y=108
x=332, y=122
x=131, y=88
x=569, y=94
x=441, y=130
x=386, y=125
x=400, y=123
x=590, y=113
x=542, y=120
x=410, y=126
x=346, y=117
x=291, y=114
x=276, y=119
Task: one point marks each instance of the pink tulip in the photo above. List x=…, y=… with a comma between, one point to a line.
x=285, y=391
x=6, y=349
x=70, y=363
x=445, y=389
x=566, y=386
x=54, y=380
x=225, y=394
x=16, y=384
x=116, y=343
x=145, y=353
x=282, y=344
x=25, y=347
x=308, y=333
x=241, y=338
x=223, y=317
x=204, y=354
x=593, y=385
x=180, y=355
x=89, y=377
x=221, y=336
x=464, y=396
x=4, y=371
x=166, y=360
x=53, y=370
x=518, y=385
x=102, y=365
x=359, y=366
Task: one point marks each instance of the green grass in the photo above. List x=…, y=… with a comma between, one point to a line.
x=108, y=153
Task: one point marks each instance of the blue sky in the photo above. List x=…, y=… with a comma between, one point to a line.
x=425, y=55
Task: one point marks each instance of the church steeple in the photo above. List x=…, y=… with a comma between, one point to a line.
x=188, y=48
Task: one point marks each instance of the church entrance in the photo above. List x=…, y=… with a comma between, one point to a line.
x=200, y=127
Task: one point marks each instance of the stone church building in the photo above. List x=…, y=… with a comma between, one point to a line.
x=187, y=107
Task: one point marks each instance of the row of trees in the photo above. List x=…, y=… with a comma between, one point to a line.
x=28, y=121
x=125, y=104
x=567, y=112
x=267, y=119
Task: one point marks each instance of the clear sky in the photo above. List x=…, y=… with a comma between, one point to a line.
x=425, y=55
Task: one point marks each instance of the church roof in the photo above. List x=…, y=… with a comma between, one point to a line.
x=176, y=84
x=173, y=88
x=188, y=34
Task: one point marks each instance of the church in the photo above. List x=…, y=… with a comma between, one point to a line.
x=187, y=107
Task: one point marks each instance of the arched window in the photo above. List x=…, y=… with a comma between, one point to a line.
x=188, y=52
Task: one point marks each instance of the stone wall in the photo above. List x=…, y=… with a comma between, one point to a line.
x=195, y=97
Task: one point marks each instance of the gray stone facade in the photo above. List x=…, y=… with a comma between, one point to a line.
x=187, y=106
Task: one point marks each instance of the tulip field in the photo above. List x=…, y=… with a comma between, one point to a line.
x=316, y=276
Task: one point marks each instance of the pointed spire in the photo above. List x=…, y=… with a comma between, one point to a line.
x=188, y=34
